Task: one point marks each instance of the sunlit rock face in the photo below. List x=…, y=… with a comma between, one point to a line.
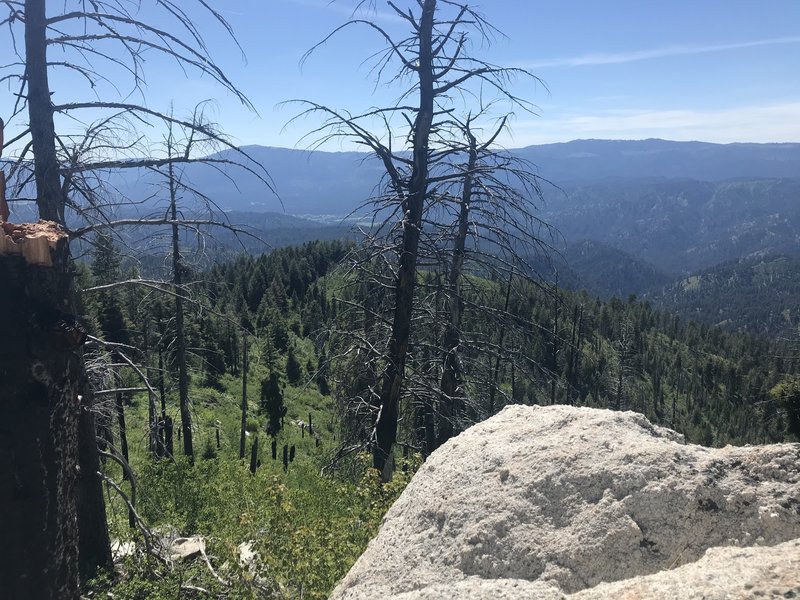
x=554, y=502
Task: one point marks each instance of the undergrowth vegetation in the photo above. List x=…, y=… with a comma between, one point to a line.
x=306, y=529
x=305, y=521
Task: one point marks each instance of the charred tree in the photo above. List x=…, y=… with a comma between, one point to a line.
x=451, y=376
x=435, y=61
x=155, y=439
x=50, y=438
x=41, y=377
x=94, y=545
x=180, y=328
x=498, y=360
x=49, y=196
x=412, y=206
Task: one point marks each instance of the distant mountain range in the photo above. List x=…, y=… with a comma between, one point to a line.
x=633, y=216
x=681, y=225
x=336, y=183
x=680, y=206
x=588, y=160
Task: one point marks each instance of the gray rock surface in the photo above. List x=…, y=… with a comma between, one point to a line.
x=722, y=574
x=548, y=502
x=187, y=548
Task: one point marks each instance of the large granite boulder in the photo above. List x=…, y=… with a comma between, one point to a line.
x=552, y=502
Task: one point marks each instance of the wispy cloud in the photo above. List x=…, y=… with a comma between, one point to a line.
x=778, y=122
x=612, y=58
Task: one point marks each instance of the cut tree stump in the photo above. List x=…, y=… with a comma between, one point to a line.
x=40, y=385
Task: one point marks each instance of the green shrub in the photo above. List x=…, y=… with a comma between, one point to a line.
x=308, y=529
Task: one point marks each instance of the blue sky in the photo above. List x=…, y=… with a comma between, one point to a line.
x=711, y=70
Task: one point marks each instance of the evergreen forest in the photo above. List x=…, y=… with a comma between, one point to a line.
x=310, y=512
x=207, y=400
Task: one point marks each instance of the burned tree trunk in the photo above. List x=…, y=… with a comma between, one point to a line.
x=437, y=72
x=494, y=384
x=41, y=375
x=451, y=375
x=119, y=405
x=166, y=420
x=49, y=198
x=180, y=330
x=243, y=429
x=413, y=207
x=4, y=212
x=154, y=438
x=94, y=546
x=49, y=482
x=254, y=456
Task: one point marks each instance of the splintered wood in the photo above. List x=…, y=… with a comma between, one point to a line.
x=31, y=240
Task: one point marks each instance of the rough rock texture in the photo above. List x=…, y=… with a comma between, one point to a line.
x=547, y=502
x=186, y=548
x=722, y=574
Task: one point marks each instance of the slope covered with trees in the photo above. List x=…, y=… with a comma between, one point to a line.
x=755, y=295
x=715, y=387
x=275, y=406
x=680, y=225
x=710, y=384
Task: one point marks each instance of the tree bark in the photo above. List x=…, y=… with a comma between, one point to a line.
x=494, y=383
x=405, y=282
x=254, y=456
x=451, y=377
x=119, y=405
x=166, y=421
x=554, y=347
x=94, y=546
x=49, y=198
x=243, y=429
x=4, y=212
x=41, y=373
x=180, y=331
x=154, y=437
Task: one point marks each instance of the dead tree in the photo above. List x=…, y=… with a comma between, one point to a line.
x=451, y=380
x=180, y=328
x=435, y=61
x=47, y=376
x=41, y=382
x=626, y=368
x=486, y=226
x=4, y=212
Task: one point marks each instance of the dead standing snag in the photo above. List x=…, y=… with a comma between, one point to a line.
x=42, y=376
x=442, y=78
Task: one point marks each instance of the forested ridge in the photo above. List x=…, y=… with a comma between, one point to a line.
x=757, y=294
x=714, y=386
x=720, y=381
x=188, y=420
